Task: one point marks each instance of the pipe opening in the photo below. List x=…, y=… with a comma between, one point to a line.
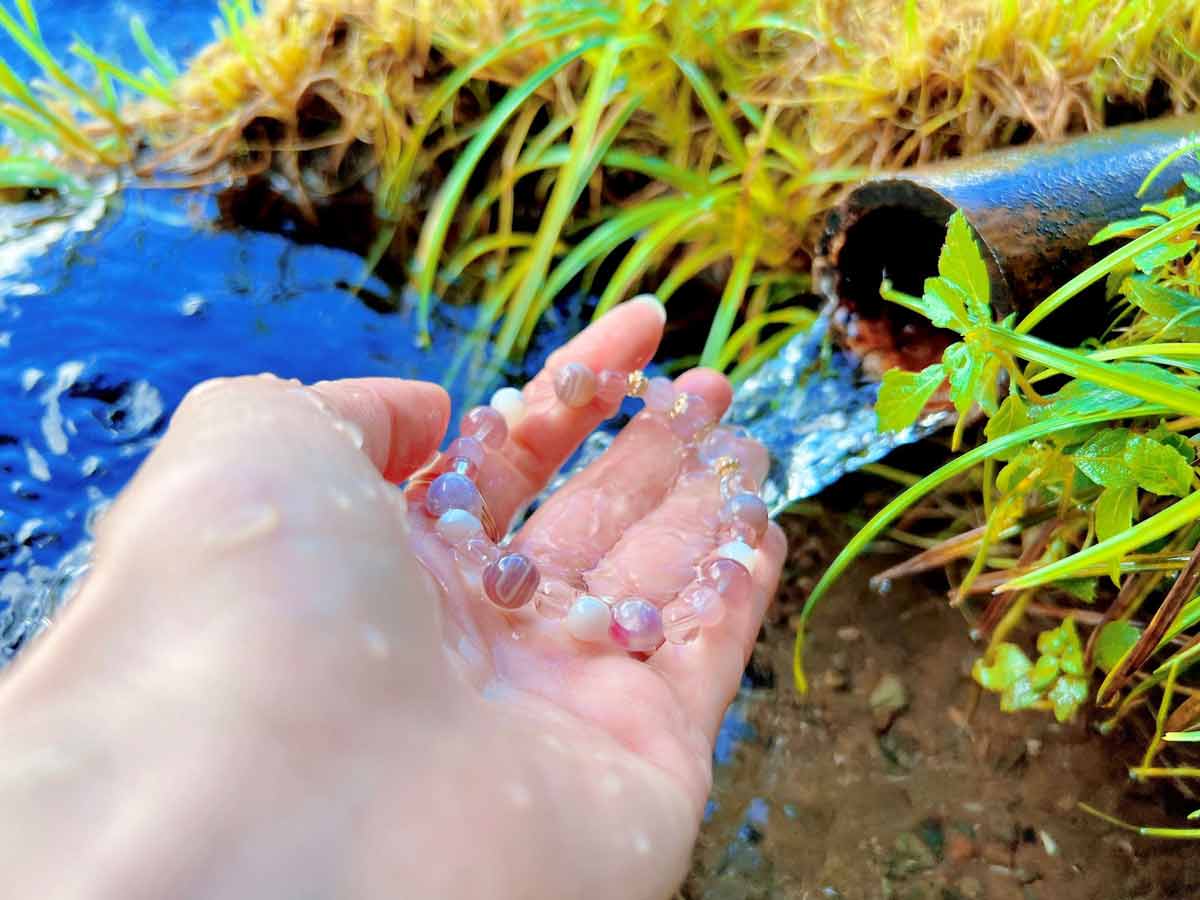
x=902, y=244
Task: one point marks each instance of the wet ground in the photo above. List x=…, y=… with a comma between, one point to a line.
x=945, y=798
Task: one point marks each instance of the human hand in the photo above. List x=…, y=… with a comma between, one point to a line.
x=260, y=688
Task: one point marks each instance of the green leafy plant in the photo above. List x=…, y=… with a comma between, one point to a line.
x=1088, y=480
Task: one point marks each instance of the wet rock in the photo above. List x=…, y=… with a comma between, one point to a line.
x=900, y=749
x=909, y=856
x=888, y=700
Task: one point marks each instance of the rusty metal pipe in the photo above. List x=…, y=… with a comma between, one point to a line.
x=1034, y=209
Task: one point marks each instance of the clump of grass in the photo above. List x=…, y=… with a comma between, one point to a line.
x=516, y=149
x=1088, y=476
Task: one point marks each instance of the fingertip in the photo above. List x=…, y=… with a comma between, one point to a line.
x=403, y=422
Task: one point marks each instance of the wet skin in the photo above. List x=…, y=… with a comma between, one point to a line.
x=261, y=690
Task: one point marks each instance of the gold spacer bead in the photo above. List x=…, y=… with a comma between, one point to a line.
x=635, y=383
x=726, y=465
x=680, y=406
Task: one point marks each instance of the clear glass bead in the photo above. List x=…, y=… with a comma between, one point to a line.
x=680, y=625
x=554, y=598
x=689, y=416
x=735, y=483
x=486, y=425
x=744, y=517
x=610, y=390
x=659, y=395
x=706, y=601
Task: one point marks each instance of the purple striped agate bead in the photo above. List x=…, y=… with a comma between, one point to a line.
x=510, y=582
x=575, y=385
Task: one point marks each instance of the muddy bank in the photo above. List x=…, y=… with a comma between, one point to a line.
x=929, y=794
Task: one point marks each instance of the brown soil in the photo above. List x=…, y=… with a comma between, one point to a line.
x=951, y=800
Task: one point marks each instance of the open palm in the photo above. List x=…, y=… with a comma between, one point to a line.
x=322, y=713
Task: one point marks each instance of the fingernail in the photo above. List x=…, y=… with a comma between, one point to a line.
x=654, y=303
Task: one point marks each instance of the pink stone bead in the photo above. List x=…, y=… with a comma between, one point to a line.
x=693, y=414
x=575, y=385
x=731, y=579
x=637, y=625
x=469, y=449
x=660, y=395
x=610, y=390
x=680, y=625
x=486, y=425
x=511, y=581
x=451, y=490
x=706, y=601
x=745, y=517
x=554, y=598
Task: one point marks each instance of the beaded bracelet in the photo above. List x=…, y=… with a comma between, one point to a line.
x=511, y=580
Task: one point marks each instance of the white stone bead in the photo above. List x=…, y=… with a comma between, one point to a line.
x=738, y=551
x=457, y=526
x=510, y=403
x=589, y=619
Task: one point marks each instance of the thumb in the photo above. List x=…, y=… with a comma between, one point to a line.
x=402, y=422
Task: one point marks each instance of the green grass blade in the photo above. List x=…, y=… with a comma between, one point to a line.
x=793, y=315
x=1110, y=263
x=671, y=230
x=882, y=519
x=31, y=172
x=731, y=303
x=437, y=224
x=764, y=351
x=567, y=188
x=104, y=67
x=1156, y=526
x=1165, y=162
x=157, y=59
x=722, y=122
x=1176, y=397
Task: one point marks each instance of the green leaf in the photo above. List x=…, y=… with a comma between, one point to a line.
x=964, y=370
x=1012, y=414
x=1021, y=694
x=1115, y=458
x=1114, y=511
x=1158, y=468
x=1045, y=670
x=1115, y=640
x=1009, y=663
x=1123, y=227
x=945, y=305
x=1157, y=257
x=903, y=395
x=961, y=263
x=1102, y=459
x=1160, y=302
x=1080, y=588
x=1067, y=695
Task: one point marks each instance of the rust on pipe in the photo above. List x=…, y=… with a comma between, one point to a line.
x=1034, y=210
